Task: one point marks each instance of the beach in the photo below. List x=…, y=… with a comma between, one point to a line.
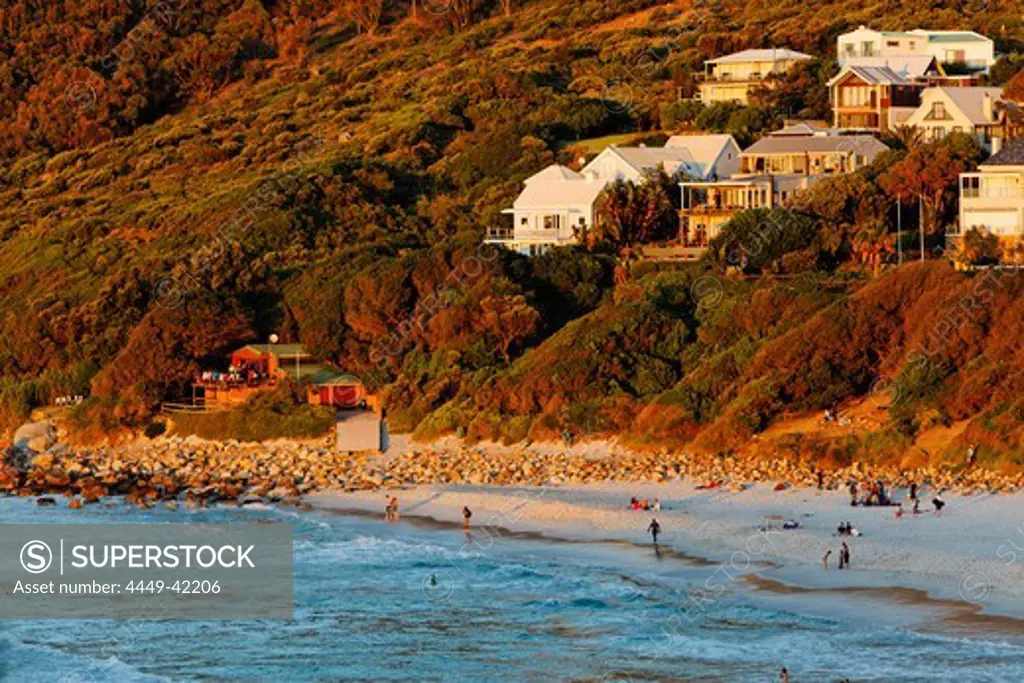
x=962, y=563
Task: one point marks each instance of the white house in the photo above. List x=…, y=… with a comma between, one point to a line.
x=558, y=202
x=961, y=110
x=993, y=197
x=730, y=78
x=967, y=48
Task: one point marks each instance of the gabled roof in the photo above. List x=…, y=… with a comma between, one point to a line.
x=1012, y=154
x=872, y=75
x=279, y=350
x=761, y=55
x=554, y=172
x=970, y=101
x=323, y=375
x=861, y=144
x=802, y=128
x=557, y=189
x=671, y=159
x=1014, y=111
x=704, y=149
x=907, y=66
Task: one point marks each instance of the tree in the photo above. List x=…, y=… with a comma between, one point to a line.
x=631, y=212
x=462, y=12
x=977, y=247
x=930, y=173
x=508, y=318
x=902, y=136
x=801, y=92
x=871, y=243
x=366, y=14
x=1014, y=89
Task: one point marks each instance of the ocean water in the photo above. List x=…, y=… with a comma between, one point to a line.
x=378, y=601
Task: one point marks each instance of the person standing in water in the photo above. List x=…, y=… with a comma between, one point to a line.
x=655, y=529
x=394, y=508
x=784, y=675
x=845, y=552
x=466, y=514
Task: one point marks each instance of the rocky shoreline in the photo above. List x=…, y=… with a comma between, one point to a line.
x=173, y=470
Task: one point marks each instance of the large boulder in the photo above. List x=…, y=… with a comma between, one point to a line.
x=35, y=436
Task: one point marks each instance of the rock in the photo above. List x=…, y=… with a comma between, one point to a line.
x=35, y=436
x=45, y=502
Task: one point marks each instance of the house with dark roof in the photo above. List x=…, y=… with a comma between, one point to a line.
x=772, y=171
x=872, y=98
x=992, y=198
x=259, y=367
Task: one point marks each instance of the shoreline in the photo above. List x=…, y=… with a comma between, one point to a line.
x=946, y=565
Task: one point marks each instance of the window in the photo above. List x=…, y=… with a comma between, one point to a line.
x=867, y=49
x=955, y=56
x=583, y=221
x=851, y=50
x=551, y=222
x=938, y=111
x=892, y=43
x=970, y=187
x=524, y=221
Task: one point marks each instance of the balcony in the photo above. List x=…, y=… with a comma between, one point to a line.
x=545, y=236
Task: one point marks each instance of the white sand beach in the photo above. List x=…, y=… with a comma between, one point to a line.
x=965, y=560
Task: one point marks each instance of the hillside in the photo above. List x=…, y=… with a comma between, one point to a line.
x=242, y=168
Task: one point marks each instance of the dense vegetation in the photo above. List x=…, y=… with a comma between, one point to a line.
x=182, y=177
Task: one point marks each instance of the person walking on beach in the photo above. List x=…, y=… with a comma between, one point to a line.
x=466, y=514
x=655, y=529
x=394, y=508
x=844, y=556
x=828, y=553
x=939, y=504
x=913, y=491
x=387, y=511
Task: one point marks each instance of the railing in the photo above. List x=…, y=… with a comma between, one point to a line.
x=199, y=405
x=499, y=233
x=526, y=235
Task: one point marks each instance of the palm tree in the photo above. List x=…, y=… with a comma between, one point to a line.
x=903, y=136
x=871, y=244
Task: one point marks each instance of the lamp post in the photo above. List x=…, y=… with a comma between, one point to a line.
x=899, y=230
x=271, y=340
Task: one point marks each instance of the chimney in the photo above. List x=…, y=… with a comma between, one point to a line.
x=986, y=107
